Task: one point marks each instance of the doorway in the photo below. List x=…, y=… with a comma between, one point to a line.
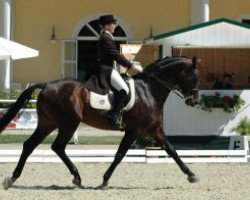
x=87, y=40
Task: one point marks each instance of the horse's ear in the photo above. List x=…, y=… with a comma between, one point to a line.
x=196, y=62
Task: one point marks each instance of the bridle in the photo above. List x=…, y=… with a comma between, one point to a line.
x=165, y=84
x=170, y=87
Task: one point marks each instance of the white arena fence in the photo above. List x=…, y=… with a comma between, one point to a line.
x=133, y=156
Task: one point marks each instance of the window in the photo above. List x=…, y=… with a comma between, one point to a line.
x=93, y=29
x=246, y=21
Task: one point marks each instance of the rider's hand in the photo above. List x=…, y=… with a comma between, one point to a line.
x=137, y=67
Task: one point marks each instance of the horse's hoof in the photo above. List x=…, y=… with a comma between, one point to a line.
x=102, y=187
x=7, y=183
x=193, y=179
x=77, y=183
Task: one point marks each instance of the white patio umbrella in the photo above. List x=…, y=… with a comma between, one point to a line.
x=13, y=50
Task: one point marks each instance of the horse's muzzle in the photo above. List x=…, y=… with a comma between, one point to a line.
x=194, y=98
x=193, y=101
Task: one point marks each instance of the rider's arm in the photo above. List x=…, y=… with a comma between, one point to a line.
x=110, y=49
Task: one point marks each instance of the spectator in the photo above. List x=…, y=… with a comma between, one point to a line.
x=225, y=84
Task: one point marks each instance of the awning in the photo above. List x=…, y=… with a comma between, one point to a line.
x=13, y=50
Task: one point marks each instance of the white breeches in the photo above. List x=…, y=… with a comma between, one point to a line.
x=117, y=81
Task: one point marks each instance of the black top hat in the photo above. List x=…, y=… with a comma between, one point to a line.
x=106, y=19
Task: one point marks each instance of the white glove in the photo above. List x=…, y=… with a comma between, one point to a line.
x=137, y=66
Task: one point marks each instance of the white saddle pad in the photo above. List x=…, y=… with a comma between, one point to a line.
x=102, y=102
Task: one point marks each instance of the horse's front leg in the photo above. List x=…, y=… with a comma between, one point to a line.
x=125, y=144
x=160, y=137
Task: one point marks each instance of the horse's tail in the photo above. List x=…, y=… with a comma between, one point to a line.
x=22, y=99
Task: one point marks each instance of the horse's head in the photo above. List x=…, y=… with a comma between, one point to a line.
x=188, y=81
x=180, y=72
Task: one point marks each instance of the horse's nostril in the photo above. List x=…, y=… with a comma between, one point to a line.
x=191, y=102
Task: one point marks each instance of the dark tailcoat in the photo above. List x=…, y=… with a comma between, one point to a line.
x=99, y=82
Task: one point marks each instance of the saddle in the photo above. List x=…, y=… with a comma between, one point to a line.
x=104, y=102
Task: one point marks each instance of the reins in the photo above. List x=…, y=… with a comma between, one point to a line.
x=167, y=85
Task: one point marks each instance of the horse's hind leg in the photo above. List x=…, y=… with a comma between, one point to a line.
x=161, y=139
x=65, y=133
x=44, y=128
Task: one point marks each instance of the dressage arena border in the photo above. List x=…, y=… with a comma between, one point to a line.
x=134, y=156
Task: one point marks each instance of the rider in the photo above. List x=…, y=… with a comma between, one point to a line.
x=108, y=53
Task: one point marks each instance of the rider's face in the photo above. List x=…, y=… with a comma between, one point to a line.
x=110, y=27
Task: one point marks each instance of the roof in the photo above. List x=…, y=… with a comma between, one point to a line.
x=194, y=27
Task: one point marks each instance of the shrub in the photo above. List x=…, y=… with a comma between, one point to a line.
x=14, y=94
x=145, y=141
x=243, y=127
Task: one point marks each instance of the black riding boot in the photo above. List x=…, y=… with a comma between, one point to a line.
x=114, y=115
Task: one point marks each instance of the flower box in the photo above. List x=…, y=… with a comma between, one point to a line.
x=229, y=104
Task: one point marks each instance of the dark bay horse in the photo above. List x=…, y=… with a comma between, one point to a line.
x=63, y=104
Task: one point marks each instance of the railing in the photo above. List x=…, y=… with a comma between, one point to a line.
x=14, y=100
x=135, y=156
x=201, y=156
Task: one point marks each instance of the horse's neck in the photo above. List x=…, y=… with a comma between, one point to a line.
x=152, y=91
x=159, y=89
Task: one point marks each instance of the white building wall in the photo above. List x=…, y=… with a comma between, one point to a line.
x=180, y=119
